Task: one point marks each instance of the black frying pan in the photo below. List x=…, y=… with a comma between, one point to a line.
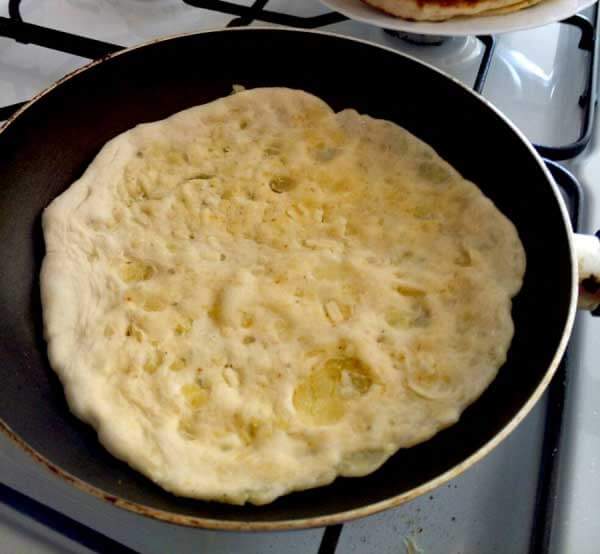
x=46, y=146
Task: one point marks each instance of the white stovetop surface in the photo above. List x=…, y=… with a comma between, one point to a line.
x=576, y=526
x=455, y=519
x=524, y=81
x=535, y=79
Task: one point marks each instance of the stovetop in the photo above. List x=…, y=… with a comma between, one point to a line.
x=525, y=80
x=511, y=502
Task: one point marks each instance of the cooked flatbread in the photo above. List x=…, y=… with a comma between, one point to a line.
x=440, y=10
x=511, y=7
x=257, y=295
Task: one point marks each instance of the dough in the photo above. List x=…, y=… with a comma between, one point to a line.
x=257, y=295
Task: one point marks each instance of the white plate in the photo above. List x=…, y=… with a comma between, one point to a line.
x=547, y=11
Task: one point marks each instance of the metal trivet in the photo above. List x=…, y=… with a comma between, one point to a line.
x=27, y=33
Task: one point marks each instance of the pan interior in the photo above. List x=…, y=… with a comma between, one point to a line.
x=53, y=141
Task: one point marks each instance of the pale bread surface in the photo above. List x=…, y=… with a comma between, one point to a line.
x=441, y=11
x=257, y=295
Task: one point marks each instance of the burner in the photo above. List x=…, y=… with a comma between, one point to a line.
x=415, y=38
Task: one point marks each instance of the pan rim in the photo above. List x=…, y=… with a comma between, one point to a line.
x=370, y=509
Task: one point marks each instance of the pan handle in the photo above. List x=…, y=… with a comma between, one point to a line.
x=587, y=250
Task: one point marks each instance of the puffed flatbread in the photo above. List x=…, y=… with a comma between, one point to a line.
x=256, y=295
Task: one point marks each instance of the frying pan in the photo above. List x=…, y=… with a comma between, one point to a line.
x=50, y=142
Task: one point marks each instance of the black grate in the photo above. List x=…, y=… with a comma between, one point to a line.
x=257, y=12
x=588, y=99
x=80, y=534
x=85, y=47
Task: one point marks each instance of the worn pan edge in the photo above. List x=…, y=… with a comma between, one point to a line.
x=320, y=521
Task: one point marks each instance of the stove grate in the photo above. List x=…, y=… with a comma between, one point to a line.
x=589, y=98
x=26, y=33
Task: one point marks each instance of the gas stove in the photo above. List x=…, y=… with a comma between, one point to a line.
x=535, y=492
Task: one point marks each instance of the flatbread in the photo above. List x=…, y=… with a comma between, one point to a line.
x=441, y=10
x=511, y=8
x=257, y=295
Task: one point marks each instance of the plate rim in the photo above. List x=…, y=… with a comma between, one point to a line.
x=448, y=28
